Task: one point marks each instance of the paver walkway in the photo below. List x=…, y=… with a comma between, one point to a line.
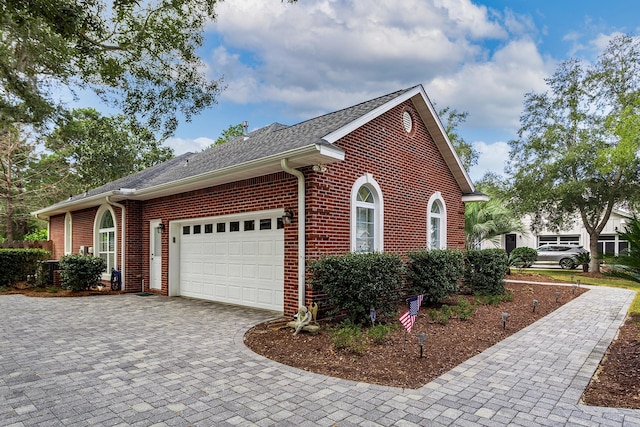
x=131, y=360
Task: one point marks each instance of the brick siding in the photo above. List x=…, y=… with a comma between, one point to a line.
x=408, y=168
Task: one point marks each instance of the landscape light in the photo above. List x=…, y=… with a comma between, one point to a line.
x=422, y=340
x=505, y=317
x=535, y=304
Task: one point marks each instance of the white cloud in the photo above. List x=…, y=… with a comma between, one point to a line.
x=492, y=158
x=492, y=92
x=183, y=145
x=322, y=55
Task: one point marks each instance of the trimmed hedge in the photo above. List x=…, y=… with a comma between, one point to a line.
x=354, y=283
x=17, y=264
x=484, y=272
x=80, y=272
x=435, y=273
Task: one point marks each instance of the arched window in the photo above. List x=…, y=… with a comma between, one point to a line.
x=436, y=223
x=105, y=233
x=68, y=233
x=366, y=215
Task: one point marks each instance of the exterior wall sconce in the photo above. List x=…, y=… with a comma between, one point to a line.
x=505, y=317
x=287, y=218
x=422, y=340
x=160, y=228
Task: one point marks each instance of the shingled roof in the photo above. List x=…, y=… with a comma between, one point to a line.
x=271, y=142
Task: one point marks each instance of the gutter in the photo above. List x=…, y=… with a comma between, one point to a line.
x=122, y=238
x=301, y=229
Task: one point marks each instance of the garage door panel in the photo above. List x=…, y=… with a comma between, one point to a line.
x=243, y=267
x=265, y=272
x=234, y=248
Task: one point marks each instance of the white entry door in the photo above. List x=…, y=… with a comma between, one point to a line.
x=155, y=254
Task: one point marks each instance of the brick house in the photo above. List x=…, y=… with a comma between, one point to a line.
x=237, y=223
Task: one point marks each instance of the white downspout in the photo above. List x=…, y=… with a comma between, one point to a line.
x=301, y=230
x=122, y=238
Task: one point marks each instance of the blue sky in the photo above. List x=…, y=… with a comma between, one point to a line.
x=287, y=63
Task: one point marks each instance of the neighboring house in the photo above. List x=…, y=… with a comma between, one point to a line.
x=609, y=242
x=237, y=223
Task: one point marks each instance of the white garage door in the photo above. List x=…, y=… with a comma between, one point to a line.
x=237, y=260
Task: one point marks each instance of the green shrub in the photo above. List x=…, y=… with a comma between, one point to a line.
x=17, y=264
x=80, y=272
x=435, y=273
x=523, y=257
x=36, y=235
x=441, y=315
x=464, y=310
x=379, y=332
x=349, y=337
x=484, y=271
x=354, y=283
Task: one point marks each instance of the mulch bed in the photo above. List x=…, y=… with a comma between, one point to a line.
x=395, y=361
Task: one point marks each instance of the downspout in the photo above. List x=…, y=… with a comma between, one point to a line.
x=122, y=238
x=301, y=229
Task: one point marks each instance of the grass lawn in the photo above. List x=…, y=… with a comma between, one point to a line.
x=614, y=282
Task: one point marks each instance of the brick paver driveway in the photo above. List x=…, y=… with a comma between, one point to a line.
x=131, y=360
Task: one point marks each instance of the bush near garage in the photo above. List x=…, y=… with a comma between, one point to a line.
x=484, y=271
x=17, y=264
x=356, y=282
x=435, y=273
x=81, y=272
x=523, y=257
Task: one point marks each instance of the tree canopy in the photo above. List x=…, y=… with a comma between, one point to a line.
x=452, y=119
x=98, y=149
x=229, y=133
x=138, y=55
x=576, y=156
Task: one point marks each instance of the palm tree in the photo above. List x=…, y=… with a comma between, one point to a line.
x=487, y=221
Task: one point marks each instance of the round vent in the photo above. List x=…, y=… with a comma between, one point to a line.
x=407, y=121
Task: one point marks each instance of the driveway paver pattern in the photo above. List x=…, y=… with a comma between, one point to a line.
x=142, y=361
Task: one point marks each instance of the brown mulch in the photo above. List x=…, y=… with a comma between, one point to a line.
x=617, y=380
x=22, y=289
x=396, y=362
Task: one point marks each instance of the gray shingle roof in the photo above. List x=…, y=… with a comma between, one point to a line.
x=270, y=140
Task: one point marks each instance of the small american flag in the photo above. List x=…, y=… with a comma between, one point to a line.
x=407, y=320
x=414, y=304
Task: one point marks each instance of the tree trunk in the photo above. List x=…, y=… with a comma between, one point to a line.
x=594, y=265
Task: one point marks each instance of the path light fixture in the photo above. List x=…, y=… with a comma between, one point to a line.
x=505, y=317
x=372, y=316
x=572, y=277
x=535, y=304
x=573, y=288
x=422, y=340
x=578, y=282
x=557, y=296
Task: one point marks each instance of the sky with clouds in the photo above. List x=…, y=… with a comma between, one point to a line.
x=286, y=63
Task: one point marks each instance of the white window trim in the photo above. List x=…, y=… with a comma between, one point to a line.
x=372, y=184
x=68, y=233
x=96, y=236
x=437, y=198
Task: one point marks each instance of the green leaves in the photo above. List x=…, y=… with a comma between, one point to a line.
x=577, y=151
x=140, y=56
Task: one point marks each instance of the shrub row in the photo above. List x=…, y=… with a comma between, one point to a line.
x=353, y=283
x=17, y=264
